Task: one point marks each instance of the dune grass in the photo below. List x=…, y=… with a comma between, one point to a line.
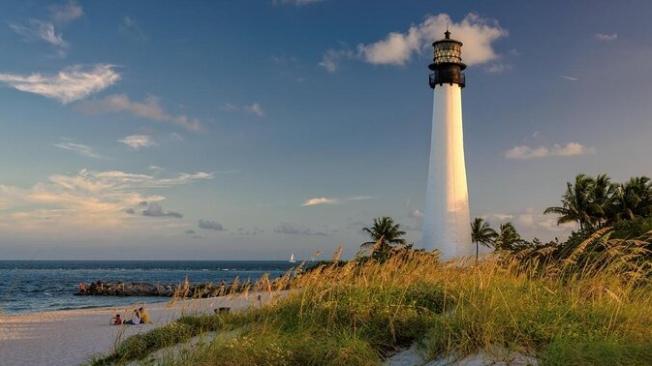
x=361, y=312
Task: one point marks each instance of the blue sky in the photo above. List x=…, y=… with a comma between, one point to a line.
x=250, y=130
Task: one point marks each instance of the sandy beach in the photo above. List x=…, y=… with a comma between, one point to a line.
x=72, y=337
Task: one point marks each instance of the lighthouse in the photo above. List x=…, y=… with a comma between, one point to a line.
x=446, y=219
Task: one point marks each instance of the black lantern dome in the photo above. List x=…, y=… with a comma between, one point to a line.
x=447, y=63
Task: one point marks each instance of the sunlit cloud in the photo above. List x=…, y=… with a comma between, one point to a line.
x=316, y=201
x=397, y=48
x=89, y=200
x=150, y=108
x=68, y=85
x=137, y=142
x=320, y=201
x=570, y=78
x=525, y=152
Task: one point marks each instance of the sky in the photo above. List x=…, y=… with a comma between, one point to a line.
x=255, y=129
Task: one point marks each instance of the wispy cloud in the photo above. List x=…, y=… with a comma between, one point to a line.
x=255, y=109
x=129, y=27
x=331, y=59
x=46, y=30
x=137, y=142
x=570, y=78
x=606, y=37
x=150, y=108
x=525, y=152
x=315, y=201
x=397, y=48
x=66, y=12
x=68, y=85
x=80, y=149
x=36, y=29
x=295, y=229
x=210, y=225
x=498, y=68
x=88, y=200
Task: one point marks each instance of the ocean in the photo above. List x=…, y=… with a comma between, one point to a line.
x=30, y=286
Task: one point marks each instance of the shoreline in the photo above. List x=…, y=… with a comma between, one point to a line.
x=74, y=336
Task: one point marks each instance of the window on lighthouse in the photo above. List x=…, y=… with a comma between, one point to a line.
x=448, y=53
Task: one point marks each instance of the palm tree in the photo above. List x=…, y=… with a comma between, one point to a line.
x=634, y=198
x=481, y=233
x=384, y=234
x=508, y=238
x=576, y=203
x=602, y=200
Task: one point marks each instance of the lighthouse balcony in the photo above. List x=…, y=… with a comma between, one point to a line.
x=447, y=76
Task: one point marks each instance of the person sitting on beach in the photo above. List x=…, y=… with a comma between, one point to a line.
x=117, y=320
x=135, y=320
x=144, y=316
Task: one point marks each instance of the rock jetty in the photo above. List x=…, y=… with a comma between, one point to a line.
x=182, y=290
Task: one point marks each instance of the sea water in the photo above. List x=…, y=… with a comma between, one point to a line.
x=29, y=286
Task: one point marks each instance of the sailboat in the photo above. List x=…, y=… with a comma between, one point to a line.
x=292, y=258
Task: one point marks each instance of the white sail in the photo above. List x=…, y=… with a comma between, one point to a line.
x=292, y=258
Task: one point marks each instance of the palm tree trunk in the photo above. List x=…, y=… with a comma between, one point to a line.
x=477, y=251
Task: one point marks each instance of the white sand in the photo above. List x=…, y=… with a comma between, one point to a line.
x=72, y=337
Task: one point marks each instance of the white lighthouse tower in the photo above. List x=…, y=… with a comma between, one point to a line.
x=446, y=220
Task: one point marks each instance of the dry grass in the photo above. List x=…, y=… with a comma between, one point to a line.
x=594, y=307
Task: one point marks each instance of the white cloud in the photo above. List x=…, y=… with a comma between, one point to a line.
x=319, y=201
x=68, y=85
x=476, y=32
x=524, y=152
x=315, y=201
x=604, y=37
x=150, y=109
x=80, y=149
x=138, y=142
x=255, y=109
x=570, y=78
